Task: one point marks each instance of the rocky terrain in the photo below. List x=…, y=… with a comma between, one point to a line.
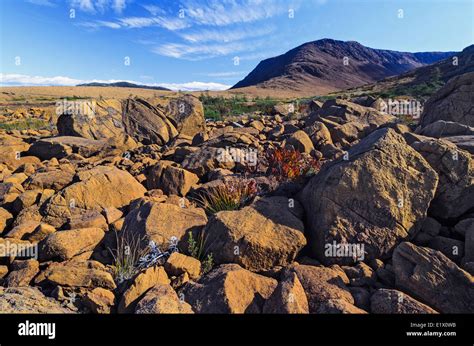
x=142, y=206
x=328, y=65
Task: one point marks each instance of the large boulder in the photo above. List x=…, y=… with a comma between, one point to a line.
x=99, y=188
x=76, y=273
x=28, y=300
x=141, y=284
x=162, y=221
x=59, y=147
x=389, y=301
x=434, y=279
x=374, y=197
x=229, y=289
x=162, y=299
x=455, y=192
x=146, y=123
x=64, y=245
x=173, y=180
x=103, y=120
x=288, y=297
x=453, y=102
x=325, y=289
x=187, y=115
x=258, y=237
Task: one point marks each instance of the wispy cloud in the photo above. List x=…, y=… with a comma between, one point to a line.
x=141, y=22
x=200, y=51
x=93, y=6
x=27, y=80
x=225, y=12
x=49, y=3
x=99, y=24
x=223, y=74
x=226, y=35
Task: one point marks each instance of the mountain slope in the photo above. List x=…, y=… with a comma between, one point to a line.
x=425, y=80
x=319, y=66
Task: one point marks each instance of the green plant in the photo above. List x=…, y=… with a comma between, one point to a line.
x=127, y=253
x=196, y=248
x=26, y=124
x=290, y=164
x=231, y=195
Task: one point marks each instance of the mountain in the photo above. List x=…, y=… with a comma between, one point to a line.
x=423, y=81
x=123, y=85
x=319, y=66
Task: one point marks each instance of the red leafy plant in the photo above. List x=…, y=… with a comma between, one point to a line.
x=289, y=164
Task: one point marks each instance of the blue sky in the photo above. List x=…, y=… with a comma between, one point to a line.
x=205, y=44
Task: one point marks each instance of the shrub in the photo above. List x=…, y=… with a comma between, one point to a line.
x=231, y=195
x=289, y=164
x=196, y=249
x=127, y=253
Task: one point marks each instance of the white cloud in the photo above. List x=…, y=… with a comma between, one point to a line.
x=100, y=23
x=225, y=12
x=199, y=51
x=226, y=35
x=195, y=86
x=141, y=22
x=21, y=79
x=93, y=6
x=26, y=80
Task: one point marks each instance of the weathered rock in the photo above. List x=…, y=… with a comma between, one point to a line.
x=376, y=198
x=59, y=147
x=99, y=300
x=146, y=123
x=22, y=272
x=287, y=298
x=178, y=264
x=325, y=290
x=88, y=274
x=87, y=219
x=103, y=120
x=64, y=245
x=5, y=219
x=55, y=179
x=162, y=221
x=28, y=300
x=267, y=233
x=441, y=128
x=453, y=102
x=170, y=178
x=300, y=141
x=389, y=301
x=40, y=232
x=162, y=299
x=229, y=289
x=140, y=285
x=187, y=115
x=455, y=167
x=98, y=189
x=451, y=248
x=433, y=278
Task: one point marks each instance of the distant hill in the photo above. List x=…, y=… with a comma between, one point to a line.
x=319, y=67
x=123, y=85
x=425, y=80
